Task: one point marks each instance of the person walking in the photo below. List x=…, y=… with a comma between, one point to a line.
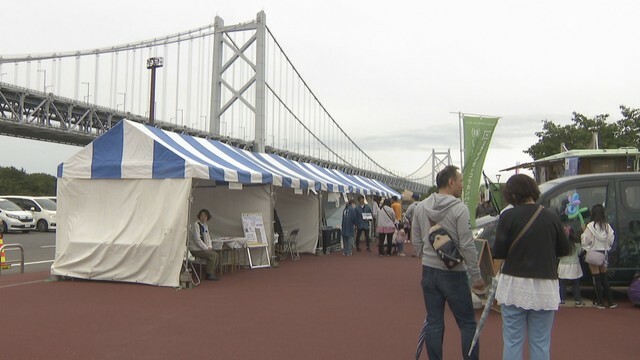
x=349, y=222
x=599, y=236
x=386, y=227
x=408, y=214
x=530, y=239
x=364, y=215
x=441, y=285
x=397, y=208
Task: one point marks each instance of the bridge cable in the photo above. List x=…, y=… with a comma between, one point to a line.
x=304, y=126
x=321, y=105
x=420, y=167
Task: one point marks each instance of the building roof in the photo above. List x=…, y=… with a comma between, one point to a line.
x=581, y=153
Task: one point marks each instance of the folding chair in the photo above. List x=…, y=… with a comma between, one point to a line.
x=291, y=246
x=189, y=266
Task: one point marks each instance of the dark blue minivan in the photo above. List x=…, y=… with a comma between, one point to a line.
x=618, y=192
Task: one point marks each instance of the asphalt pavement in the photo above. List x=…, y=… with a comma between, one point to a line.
x=39, y=251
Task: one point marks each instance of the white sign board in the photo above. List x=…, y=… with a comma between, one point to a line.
x=254, y=231
x=253, y=227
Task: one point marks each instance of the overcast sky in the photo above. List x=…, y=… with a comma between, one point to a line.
x=390, y=72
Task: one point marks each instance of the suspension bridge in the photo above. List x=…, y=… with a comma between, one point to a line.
x=231, y=83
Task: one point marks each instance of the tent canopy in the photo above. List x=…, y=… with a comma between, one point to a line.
x=131, y=150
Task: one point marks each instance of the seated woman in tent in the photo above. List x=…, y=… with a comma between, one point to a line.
x=200, y=244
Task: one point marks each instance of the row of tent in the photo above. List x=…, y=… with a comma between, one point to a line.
x=126, y=201
x=132, y=150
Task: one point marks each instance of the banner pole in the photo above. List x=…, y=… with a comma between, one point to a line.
x=460, y=134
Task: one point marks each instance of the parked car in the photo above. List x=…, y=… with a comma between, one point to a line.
x=42, y=209
x=486, y=229
x=13, y=218
x=618, y=192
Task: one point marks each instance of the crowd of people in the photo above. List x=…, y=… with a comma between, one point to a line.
x=541, y=257
x=384, y=218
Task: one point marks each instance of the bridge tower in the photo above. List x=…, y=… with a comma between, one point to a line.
x=439, y=160
x=222, y=42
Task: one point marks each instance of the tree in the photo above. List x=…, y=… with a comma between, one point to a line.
x=579, y=134
x=432, y=189
x=18, y=182
x=628, y=128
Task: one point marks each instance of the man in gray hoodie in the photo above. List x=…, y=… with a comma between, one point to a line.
x=441, y=285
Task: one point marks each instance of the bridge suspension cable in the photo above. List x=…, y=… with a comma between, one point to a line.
x=326, y=112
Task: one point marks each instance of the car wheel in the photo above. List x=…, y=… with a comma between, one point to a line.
x=3, y=227
x=42, y=225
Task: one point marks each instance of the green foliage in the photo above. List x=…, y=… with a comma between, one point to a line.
x=578, y=135
x=18, y=182
x=433, y=189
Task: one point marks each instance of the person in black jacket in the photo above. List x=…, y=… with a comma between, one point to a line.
x=528, y=285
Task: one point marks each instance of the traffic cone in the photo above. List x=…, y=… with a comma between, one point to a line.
x=3, y=260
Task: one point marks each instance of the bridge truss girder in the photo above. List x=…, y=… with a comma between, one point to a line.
x=37, y=115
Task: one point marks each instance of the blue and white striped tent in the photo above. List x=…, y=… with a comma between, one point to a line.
x=125, y=201
x=135, y=151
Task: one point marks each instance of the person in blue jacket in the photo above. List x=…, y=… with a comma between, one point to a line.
x=349, y=223
x=364, y=215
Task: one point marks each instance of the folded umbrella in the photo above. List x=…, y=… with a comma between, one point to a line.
x=491, y=296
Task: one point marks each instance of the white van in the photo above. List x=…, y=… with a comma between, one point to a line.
x=13, y=218
x=41, y=208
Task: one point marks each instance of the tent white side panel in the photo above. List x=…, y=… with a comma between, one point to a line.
x=122, y=230
x=226, y=206
x=299, y=212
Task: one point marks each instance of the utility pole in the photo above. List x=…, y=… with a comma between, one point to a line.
x=153, y=63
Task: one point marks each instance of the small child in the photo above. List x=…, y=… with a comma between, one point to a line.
x=401, y=237
x=569, y=269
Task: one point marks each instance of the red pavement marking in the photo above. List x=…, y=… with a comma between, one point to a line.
x=320, y=307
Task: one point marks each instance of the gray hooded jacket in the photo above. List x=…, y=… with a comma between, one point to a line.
x=453, y=216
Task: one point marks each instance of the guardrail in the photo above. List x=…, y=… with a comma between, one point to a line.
x=14, y=247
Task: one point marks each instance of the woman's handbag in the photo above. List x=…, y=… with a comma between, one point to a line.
x=594, y=257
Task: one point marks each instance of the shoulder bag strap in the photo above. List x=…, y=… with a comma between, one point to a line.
x=389, y=216
x=525, y=228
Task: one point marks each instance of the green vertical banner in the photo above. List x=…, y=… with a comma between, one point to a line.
x=477, y=136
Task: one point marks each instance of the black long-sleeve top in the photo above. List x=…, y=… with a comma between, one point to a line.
x=536, y=254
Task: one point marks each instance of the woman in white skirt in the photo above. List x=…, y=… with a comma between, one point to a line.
x=569, y=270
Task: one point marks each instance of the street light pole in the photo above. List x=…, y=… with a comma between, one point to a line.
x=45, y=79
x=86, y=98
x=153, y=63
x=124, y=101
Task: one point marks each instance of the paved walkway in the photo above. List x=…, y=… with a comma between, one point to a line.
x=319, y=307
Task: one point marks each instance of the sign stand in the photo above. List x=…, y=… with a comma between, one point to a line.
x=254, y=231
x=485, y=260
